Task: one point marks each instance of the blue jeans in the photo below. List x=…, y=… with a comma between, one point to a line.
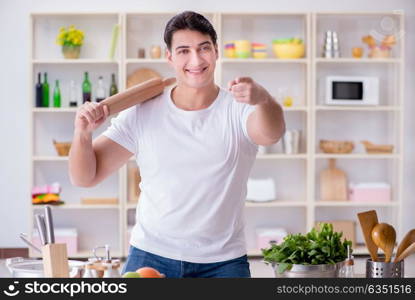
x=234, y=268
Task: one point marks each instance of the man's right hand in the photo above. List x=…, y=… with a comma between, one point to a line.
x=90, y=116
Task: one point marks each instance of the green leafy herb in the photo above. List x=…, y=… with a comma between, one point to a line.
x=319, y=246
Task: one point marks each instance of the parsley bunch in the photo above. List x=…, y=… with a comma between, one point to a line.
x=319, y=246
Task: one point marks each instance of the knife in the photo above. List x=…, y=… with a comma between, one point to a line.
x=24, y=239
x=50, y=234
x=40, y=223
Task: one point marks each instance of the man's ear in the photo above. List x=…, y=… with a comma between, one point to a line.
x=216, y=51
x=168, y=56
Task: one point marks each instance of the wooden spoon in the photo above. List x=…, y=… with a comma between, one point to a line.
x=408, y=251
x=405, y=243
x=384, y=236
x=368, y=220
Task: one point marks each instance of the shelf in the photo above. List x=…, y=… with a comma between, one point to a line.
x=263, y=60
x=79, y=206
x=275, y=203
x=354, y=204
x=74, y=61
x=146, y=60
x=294, y=108
x=50, y=158
x=357, y=156
x=358, y=60
x=357, y=108
x=55, y=110
x=281, y=156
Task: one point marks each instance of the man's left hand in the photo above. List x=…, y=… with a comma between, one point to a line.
x=246, y=90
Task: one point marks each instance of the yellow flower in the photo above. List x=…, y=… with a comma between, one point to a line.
x=70, y=35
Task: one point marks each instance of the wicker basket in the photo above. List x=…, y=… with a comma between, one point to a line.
x=328, y=146
x=62, y=148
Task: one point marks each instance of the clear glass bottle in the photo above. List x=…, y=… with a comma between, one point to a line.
x=100, y=92
x=73, y=94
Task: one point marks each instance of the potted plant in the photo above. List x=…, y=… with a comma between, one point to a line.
x=319, y=253
x=71, y=40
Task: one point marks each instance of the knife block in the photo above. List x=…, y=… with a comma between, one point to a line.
x=55, y=261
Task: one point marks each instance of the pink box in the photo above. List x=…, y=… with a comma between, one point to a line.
x=370, y=192
x=68, y=236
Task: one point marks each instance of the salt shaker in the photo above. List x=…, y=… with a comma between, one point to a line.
x=328, y=45
x=335, y=49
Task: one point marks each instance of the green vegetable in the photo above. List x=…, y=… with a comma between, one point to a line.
x=319, y=246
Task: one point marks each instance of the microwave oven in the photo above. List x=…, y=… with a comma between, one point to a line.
x=352, y=90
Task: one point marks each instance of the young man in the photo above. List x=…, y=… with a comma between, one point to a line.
x=195, y=145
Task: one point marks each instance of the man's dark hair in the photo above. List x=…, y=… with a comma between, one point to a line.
x=188, y=20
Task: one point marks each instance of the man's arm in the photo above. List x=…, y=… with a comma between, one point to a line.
x=90, y=162
x=266, y=124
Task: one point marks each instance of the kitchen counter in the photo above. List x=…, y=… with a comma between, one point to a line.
x=261, y=270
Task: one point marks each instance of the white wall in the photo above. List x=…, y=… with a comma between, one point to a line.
x=14, y=112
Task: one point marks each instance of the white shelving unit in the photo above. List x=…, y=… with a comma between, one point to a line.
x=382, y=123
x=296, y=176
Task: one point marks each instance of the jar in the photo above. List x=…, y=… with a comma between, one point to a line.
x=155, y=52
x=141, y=53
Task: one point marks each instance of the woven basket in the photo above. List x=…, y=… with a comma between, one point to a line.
x=377, y=149
x=328, y=146
x=62, y=148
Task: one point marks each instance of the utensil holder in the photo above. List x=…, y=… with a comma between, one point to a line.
x=381, y=269
x=55, y=261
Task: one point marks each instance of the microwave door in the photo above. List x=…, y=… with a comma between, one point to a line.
x=349, y=91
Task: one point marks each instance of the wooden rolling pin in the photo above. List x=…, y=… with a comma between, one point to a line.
x=136, y=94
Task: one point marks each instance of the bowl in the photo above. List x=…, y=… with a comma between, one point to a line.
x=288, y=50
x=310, y=271
x=329, y=146
x=242, y=48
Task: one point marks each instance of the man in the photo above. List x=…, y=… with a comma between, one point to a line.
x=195, y=145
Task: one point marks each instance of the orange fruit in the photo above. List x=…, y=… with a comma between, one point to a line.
x=148, y=272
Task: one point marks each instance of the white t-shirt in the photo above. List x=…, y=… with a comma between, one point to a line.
x=194, y=167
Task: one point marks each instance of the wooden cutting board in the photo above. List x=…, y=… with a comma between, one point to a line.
x=333, y=183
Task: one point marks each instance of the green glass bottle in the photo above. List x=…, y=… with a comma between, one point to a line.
x=86, y=89
x=57, y=95
x=113, y=88
x=45, y=91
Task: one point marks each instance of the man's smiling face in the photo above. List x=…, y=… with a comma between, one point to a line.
x=193, y=57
